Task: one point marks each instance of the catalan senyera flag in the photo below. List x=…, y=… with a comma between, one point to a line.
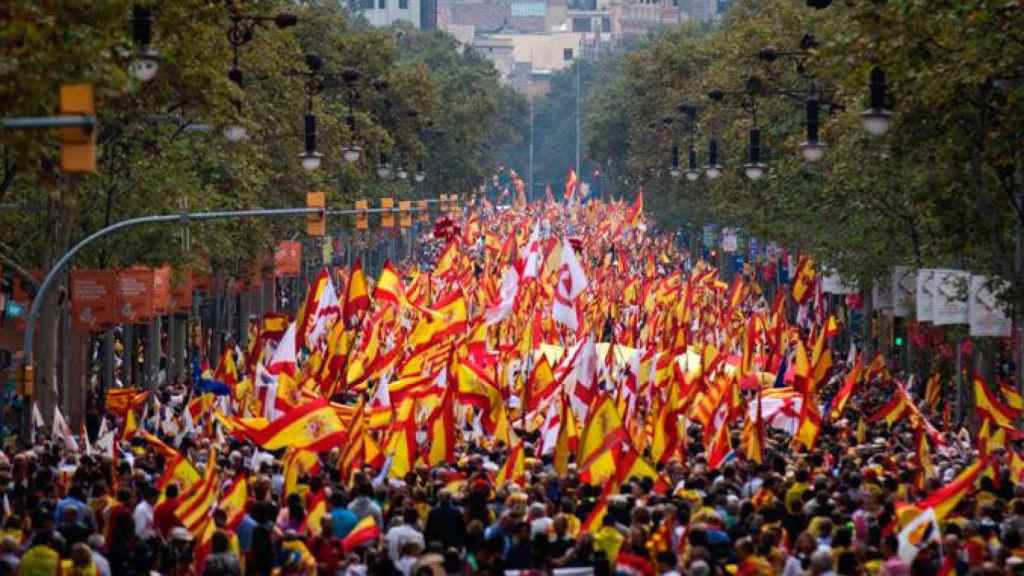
x=120, y=400
x=364, y=532
x=196, y=504
x=987, y=403
x=933, y=392
x=312, y=426
x=514, y=467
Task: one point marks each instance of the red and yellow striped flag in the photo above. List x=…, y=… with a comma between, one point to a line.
x=514, y=468
x=364, y=532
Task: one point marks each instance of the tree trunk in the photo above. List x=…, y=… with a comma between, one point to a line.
x=61, y=222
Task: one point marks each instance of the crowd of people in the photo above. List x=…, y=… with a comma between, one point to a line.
x=837, y=508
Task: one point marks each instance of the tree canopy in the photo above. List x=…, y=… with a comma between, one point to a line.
x=941, y=188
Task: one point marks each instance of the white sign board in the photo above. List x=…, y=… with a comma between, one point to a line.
x=881, y=296
x=925, y=294
x=730, y=243
x=833, y=283
x=904, y=288
x=984, y=313
x=949, y=297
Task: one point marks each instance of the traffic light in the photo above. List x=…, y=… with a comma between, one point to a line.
x=77, y=144
x=405, y=216
x=387, y=219
x=362, y=219
x=316, y=224
x=898, y=341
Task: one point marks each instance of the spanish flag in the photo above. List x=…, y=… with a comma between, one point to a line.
x=514, y=468
x=389, y=287
x=446, y=264
x=317, y=506
x=568, y=438
x=987, y=404
x=803, y=283
x=234, y=501
x=1013, y=398
x=636, y=211
x=364, y=532
x=442, y=428
x=602, y=432
x=181, y=471
x=313, y=426
x=357, y=297
x=892, y=411
x=945, y=499
x=846, y=390
x=595, y=520
x=572, y=182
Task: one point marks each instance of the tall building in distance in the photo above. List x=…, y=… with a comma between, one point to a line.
x=388, y=12
x=530, y=40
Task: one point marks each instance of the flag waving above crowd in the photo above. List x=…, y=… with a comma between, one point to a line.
x=568, y=340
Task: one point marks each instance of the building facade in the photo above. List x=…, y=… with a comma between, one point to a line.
x=389, y=12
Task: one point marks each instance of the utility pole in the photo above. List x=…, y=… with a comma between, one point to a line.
x=579, y=63
x=530, y=176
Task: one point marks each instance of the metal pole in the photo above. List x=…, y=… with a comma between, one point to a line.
x=184, y=218
x=579, y=62
x=530, y=193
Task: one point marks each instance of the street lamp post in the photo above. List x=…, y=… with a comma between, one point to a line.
x=147, y=60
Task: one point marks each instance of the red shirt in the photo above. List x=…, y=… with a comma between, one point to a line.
x=633, y=565
x=164, y=519
x=327, y=552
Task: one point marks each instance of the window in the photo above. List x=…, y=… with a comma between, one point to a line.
x=581, y=25
x=364, y=4
x=382, y=4
x=403, y=4
x=567, y=54
x=606, y=24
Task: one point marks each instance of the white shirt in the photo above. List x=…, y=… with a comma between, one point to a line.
x=143, y=516
x=398, y=536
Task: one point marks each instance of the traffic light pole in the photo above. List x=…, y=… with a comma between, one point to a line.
x=182, y=219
